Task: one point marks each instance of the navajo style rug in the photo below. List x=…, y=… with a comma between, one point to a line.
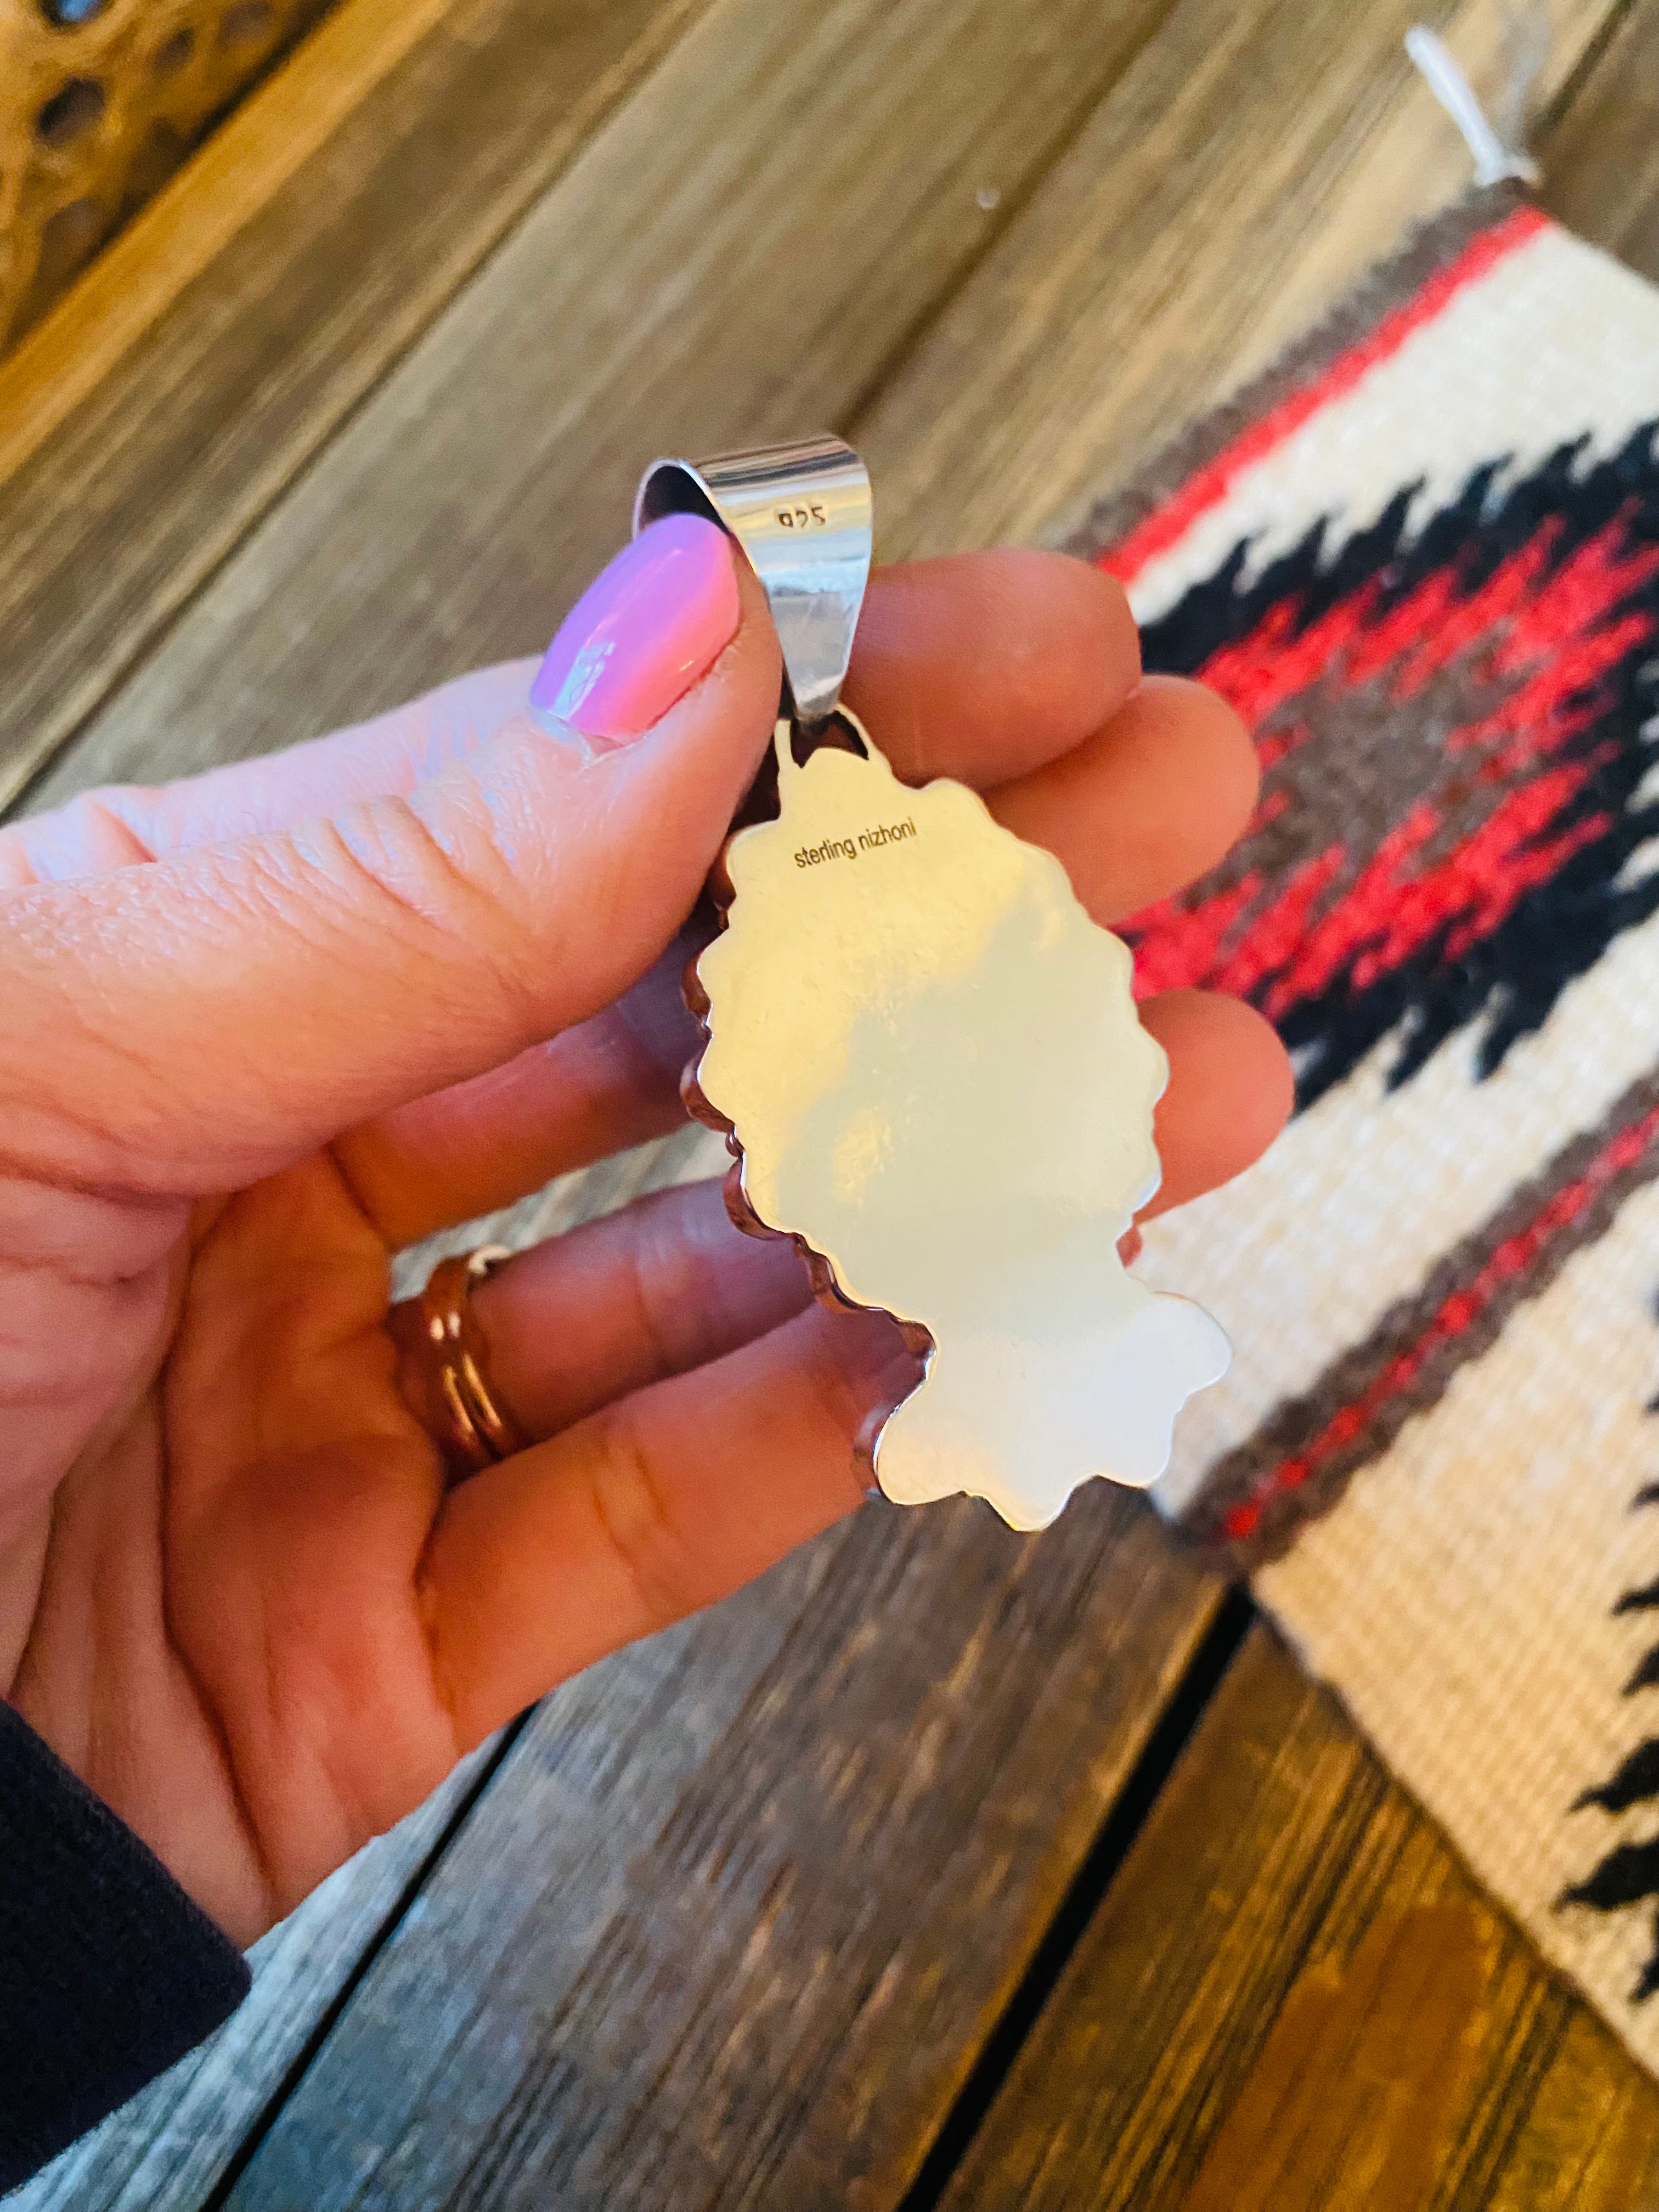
x=1422, y=559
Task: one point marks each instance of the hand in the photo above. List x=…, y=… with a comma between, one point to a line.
x=265, y=1027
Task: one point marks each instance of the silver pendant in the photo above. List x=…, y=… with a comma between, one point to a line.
x=927, y=1060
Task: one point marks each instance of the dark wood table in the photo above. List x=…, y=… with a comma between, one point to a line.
x=944, y=1867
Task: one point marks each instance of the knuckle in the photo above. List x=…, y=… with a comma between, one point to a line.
x=641, y=1531
x=674, y=1299
x=857, y=1363
x=91, y=834
x=17, y=869
x=439, y=876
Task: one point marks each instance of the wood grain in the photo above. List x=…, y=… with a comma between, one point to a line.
x=748, y=244
x=1601, y=154
x=869, y=192
x=1294, y=1996
x=168, y=2148
x=1268, y=153
x=241, y=319
x=168, y=2145
x=181, y=233
x=735, y=1918
x=1361, y=2084
x=161, y=71
x=715, y=2028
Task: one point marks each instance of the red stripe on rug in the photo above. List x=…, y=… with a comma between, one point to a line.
x=1516, y=1254
x=1210, y=484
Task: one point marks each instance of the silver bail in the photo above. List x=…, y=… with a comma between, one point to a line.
x=802, y=514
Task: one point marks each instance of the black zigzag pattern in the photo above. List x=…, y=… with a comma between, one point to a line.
x=1509, y=980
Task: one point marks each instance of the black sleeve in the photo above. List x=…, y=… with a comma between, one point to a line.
x=108, y=1972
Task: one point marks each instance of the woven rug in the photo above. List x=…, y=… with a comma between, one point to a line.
x=1422, y=558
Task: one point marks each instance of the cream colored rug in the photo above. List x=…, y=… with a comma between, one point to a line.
x=1423, y=559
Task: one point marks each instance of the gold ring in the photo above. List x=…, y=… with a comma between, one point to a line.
x=480, y=1431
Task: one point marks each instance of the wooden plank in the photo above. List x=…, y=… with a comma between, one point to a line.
x=1163, y=2073
x=183, y=232
x=727, y=1943
x=750, y=2086
x=169, y=2147
x=746, y=2010
x=870, y=190
x=1601, y=157
x=1293, y=1999
x=1246, y=172
x=746, y=246
x=217, y=346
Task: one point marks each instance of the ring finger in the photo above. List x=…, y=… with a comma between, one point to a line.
x=1135, y=810
x=667, y=1285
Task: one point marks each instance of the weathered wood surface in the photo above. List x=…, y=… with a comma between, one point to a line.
x=1602, y=153
x=170, y=2146
x=1293, y=1999
x=736, y=1918
x=750, y=1968
x=745, y=244
x=1243, y=172
x=251, y=309
x=780, y=285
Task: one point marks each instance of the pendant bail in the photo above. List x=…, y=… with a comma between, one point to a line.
x=802, y=514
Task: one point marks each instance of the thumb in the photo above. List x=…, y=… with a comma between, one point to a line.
x=187, y=1024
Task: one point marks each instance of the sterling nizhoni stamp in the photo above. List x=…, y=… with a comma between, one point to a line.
x=929, y=1062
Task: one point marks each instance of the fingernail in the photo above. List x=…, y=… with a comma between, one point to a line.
x=641, y=633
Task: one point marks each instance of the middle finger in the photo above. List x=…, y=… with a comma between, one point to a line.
x=1135, y=805
x=667, y=1284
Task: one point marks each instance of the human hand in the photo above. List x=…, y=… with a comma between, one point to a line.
x=267, y=1026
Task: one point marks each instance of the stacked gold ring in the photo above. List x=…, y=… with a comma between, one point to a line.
x=480, y=1428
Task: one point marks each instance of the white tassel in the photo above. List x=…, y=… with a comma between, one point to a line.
x=1494, y=160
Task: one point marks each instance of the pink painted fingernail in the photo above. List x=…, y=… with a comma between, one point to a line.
x=641, y=635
